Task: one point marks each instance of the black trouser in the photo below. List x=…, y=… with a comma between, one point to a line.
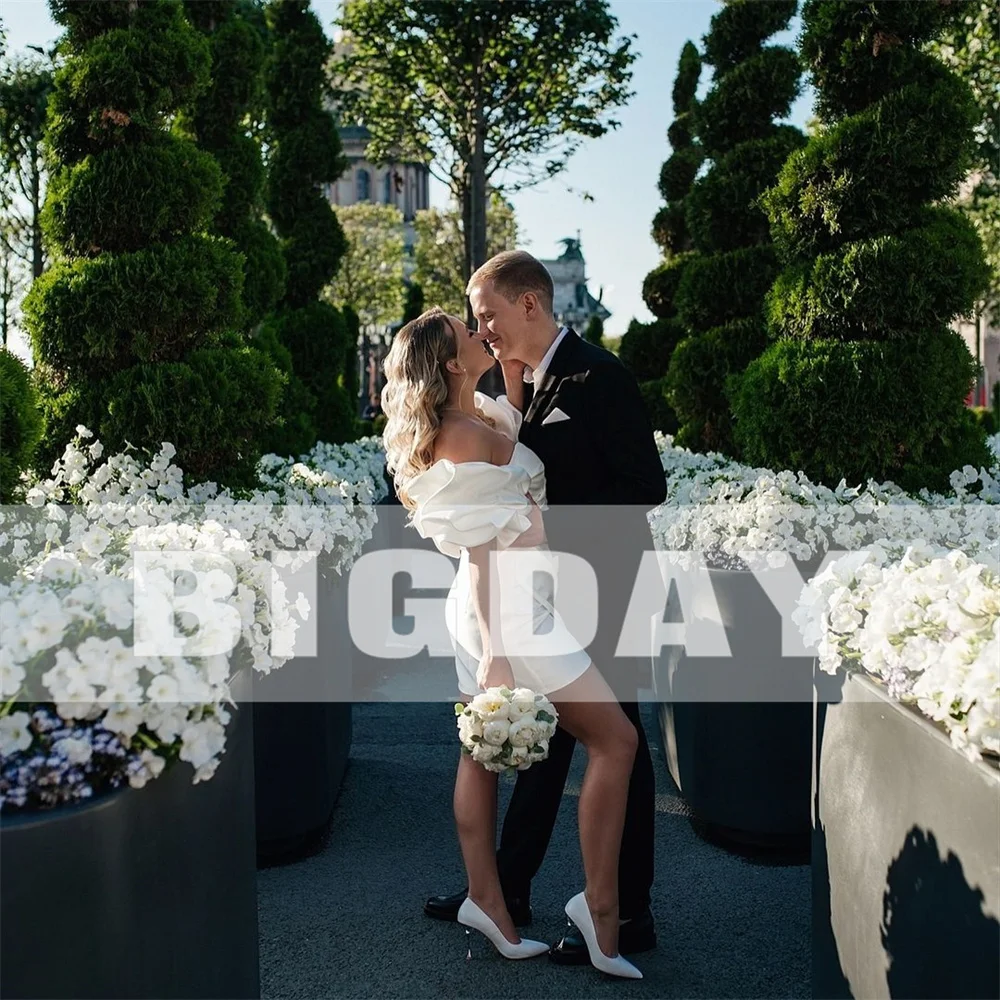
x=531, y=815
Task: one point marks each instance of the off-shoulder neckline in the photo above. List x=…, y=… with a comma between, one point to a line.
x=491, y=465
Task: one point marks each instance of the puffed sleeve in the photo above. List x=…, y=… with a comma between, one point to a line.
x=507, y=416
x=470, y=504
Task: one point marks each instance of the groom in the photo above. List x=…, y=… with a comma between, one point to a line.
x=584, y=417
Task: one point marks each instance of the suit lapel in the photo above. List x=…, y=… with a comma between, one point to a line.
x=559, y=366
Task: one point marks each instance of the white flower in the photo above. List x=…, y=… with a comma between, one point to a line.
x=495, y=732
x=74, y=750
x=14, y=733
x=526, y=732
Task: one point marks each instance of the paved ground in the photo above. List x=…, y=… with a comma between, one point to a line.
x=347, y=922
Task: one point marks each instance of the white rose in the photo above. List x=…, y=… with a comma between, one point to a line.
x=483, y=752
x=496, y=731
x=518, y=756
x=469, y=726
x=522, y=703
x=525, y=732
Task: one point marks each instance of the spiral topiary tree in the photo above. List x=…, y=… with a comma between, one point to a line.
x=21, y=424
x=305, y=153
x=866, y=378
x=719, y=298
x=646, y=348
x=217, y=120
x=132, y=325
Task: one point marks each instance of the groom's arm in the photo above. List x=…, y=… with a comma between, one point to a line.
x=630, y=465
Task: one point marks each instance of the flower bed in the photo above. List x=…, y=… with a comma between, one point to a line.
x=66, y=608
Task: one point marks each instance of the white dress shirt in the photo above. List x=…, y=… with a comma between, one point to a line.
x=537, y=375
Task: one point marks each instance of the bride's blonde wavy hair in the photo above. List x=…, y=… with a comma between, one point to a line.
x=415, y=392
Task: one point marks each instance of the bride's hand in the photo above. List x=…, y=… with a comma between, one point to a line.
x=494, y=671
x=513, y=367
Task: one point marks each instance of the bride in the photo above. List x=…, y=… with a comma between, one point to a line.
x=474, y=489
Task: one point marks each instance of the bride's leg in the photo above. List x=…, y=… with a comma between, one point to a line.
x=588, y=710
x=476, y=820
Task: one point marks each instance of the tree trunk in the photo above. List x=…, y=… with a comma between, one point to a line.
x=477, y=186
x=37, y=255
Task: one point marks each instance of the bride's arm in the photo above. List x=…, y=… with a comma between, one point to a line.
x=494, y=670
x=513, y=380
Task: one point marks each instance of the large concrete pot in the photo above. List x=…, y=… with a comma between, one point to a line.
x=302, y=735
x=737, y=730
x=146, y=892
x=906, y=855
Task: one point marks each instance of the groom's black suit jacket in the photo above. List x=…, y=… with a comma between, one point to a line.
x=603, y=457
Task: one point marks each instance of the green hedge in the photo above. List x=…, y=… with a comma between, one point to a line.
x=21, y=424
x=880, y=287
x=858, y=409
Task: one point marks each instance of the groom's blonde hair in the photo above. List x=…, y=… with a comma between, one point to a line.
x=512, y=273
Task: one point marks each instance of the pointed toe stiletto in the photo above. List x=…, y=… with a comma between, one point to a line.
x=471, y=915
x=578, y=910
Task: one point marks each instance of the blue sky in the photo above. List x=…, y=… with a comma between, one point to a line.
x=620, y=170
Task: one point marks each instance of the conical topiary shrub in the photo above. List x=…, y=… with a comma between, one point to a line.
x=720, y=295
x=305, y=154
x=646, y=348
x=236, y=35
x=133, y=324
x=21, y=424
x=866, y=378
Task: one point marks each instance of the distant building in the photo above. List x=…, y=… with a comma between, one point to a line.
x=572, y=303
x=405, y=185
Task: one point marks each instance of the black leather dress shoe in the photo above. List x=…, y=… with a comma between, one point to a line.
x=635, y=935
x=446, y=908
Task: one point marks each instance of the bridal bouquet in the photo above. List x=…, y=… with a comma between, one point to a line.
x=504, y=729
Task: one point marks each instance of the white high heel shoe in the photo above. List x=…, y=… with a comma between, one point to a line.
x=471, y=915
x=578, y=911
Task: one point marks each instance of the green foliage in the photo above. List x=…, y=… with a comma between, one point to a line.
x=496, y=94
x=316, y=338
x=720, y=294
x=645, y=348
x=858, y=53
x=21, y=424
x=890, y=409
x=219, y=402
x=413, y=305
x=304, y=156
x=970, y=45
x=594, y=331
x=659, y=288
x=370, y=276
x=745, y=100
x=880, y=287
x=218, y=119
x=133, y=327
x=874, y=170
x=440, y=248
x=986, y=418
x=722, y=209
x=679, y=171
x=130, y=196
x=84, y=313
x=661, y=414
x=725, y=286
x=865, y=377
x=696, y=381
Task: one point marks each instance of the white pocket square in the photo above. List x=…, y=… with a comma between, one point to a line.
x=555, y=416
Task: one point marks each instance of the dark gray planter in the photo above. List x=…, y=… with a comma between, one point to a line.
x=906, y=855
x=737, y=731
x=143, y=893
x=302, y=736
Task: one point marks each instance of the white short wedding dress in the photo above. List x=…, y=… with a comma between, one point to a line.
x=464, y=504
